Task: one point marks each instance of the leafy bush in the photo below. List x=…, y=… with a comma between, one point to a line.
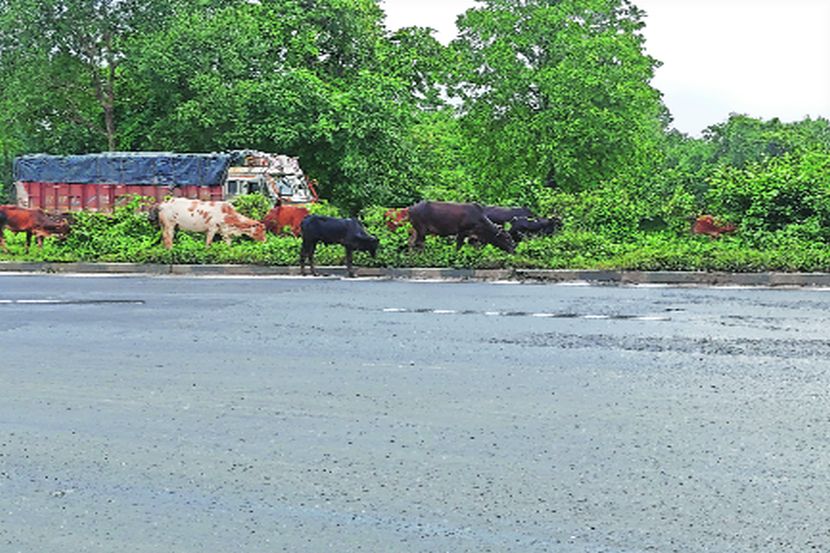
x=774, y=195
x=611, y=209
x=255, y=206
x=324, y=208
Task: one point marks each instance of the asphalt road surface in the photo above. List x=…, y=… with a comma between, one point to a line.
x=310, y=415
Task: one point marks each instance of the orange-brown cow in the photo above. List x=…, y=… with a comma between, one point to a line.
x=396, y=217
x=705, y=224
x=34, y=222
x=283, y=216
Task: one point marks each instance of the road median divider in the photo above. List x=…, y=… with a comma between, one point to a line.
x=598, y=277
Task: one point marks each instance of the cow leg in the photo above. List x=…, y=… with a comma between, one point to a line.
x=311, y=258
x=303, y=255
x=28, y=240
x=349, y=270
x=416, y=240
x=167, y=235
x=3, y=240
x=459, y=240
x=209, y=238
x=307, y=252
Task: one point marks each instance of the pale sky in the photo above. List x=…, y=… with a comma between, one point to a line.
x=764, y=58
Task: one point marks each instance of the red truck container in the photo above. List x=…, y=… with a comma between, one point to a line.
x=99, y=182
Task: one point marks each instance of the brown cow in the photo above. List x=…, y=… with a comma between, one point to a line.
x=705, y=224
x=32, y=222
x=283, y=216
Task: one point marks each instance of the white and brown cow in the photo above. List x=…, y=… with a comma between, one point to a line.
x=208, y=217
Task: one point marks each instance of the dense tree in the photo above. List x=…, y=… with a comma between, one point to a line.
x=414, y=56
x=741, y=139
x=60, y=62
x=312, y=79
x=556, y=92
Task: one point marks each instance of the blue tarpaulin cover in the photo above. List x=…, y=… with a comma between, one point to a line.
x=147, y=168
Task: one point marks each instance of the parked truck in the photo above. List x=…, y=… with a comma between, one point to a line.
x=99, y=182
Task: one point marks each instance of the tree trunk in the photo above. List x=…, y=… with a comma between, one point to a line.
x=109, y=121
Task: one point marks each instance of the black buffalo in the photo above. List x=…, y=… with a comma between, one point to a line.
x=500, y=215
x=330, y=230
x=522, y=227
x=459, y=220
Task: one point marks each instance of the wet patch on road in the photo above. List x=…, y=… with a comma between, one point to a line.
x=781, y=349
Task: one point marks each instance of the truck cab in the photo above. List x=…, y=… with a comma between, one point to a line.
x=277, y=177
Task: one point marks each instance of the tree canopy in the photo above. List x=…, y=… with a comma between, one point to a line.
x=556, y=93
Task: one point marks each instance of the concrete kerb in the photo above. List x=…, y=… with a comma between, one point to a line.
x=613, y=277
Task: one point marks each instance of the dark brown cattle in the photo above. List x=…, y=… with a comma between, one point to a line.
x=459, y=220
x=283, y=216
x=522, y=227
x=32, y=222
x=500, y=215
x=705, y=224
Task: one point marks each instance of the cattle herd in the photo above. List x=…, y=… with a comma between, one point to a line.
x=500, y=226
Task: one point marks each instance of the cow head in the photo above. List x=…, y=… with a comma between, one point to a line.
x=62, y=229
x=369, y=243
x=502, y=240
x=257, y=232
x=59, y=224
x=362, y=240
x=550, y=225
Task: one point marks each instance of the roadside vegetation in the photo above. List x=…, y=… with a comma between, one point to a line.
x=128, y=236
x=547, y=105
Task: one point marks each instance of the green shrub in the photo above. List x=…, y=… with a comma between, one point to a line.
x=322, y=207
x=772, y=195
x=255, y=206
